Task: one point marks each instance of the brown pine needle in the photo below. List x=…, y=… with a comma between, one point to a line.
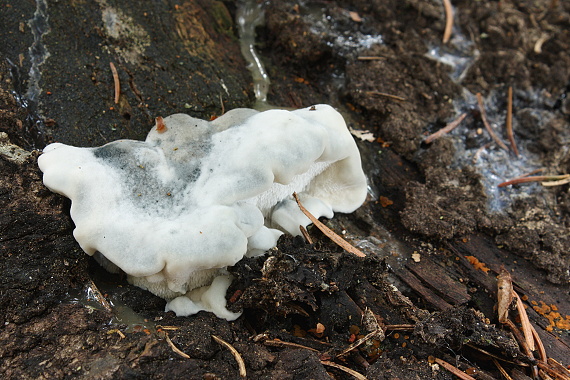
x=235, y=353
x=370, y=58
x=357, y=343
x=547, y=180
x=345, y=369
x=448, y=21
x=563, y=370
x=281, y=343
x=554, y=372
x=399, y=327
x=486, y=123
x=174, y=348
x=509, y=122
x=99, y=296
x=456, y=371
x=327, y=231
x=539, y=345
x=305, y=234
x=525, y=322
x=117, y=83
x=448, y=128
x=390, y=96
x=501, y=369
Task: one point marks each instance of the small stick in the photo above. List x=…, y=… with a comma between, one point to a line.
x=486, y=123
x=174, y=348
x=117, y=83
x=536, y=178
x=235, y=353
x=510, y=121
x=456, y=371
x=99, y=296
x=345, y=369
x=448, y=20
x=395, y=97
x=327, y=231
x=448, y=128
x=525, y=322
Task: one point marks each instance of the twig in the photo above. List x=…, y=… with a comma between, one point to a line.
x=545, y=179
x=486, y=123
x=327, y=231
x=509, y=121
x=174, y=348
x=235, y=353
x=448, y=128
x=280, y=343
x=345, y=369
x=525, y=322
x=116, y=80
x=99, y=296
x=457, y=372
x=395, y=97
x=448, y=20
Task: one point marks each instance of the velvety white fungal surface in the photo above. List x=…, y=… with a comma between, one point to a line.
x=173, y=211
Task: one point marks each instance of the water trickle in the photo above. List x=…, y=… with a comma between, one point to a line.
x=250, y=15
x=38, y=51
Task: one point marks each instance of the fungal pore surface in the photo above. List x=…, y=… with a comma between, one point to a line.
x=174, y=211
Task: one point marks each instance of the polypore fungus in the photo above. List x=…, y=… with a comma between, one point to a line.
x=174, y=211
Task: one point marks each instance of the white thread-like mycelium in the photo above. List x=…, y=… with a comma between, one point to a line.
x=174, y=211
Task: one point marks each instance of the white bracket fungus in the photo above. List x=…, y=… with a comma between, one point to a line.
x=174, y=211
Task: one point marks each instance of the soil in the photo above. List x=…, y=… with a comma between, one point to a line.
x=433, y=239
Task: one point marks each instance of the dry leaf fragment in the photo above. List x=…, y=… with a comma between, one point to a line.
x=504, y=294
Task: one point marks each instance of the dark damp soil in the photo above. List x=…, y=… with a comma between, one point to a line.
x=418, y=294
